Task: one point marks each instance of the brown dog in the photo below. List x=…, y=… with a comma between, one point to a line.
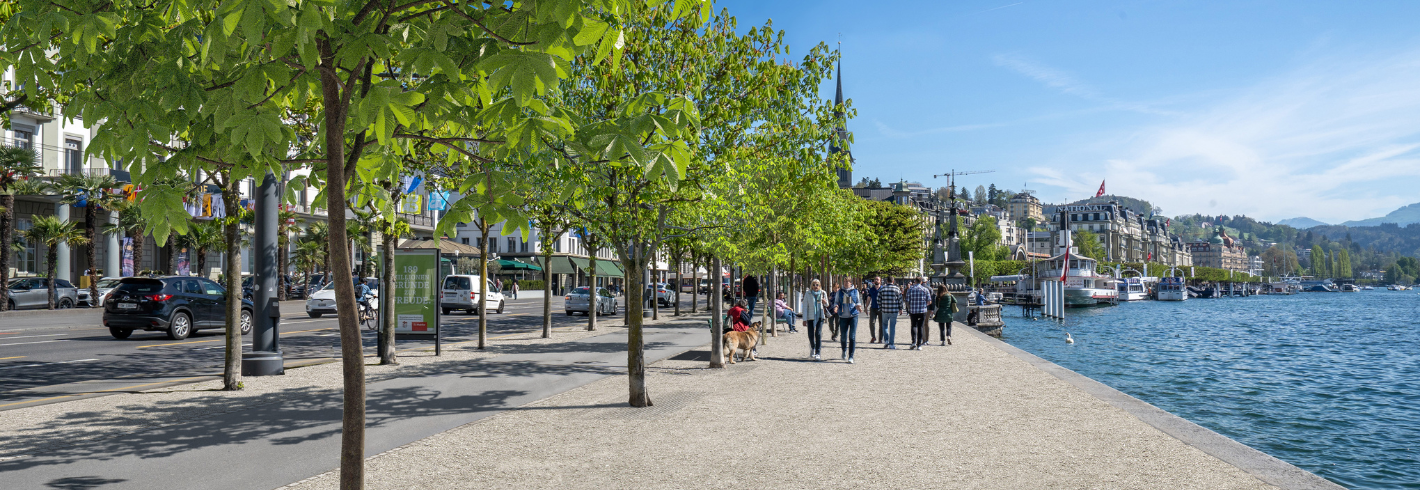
x=745, y=340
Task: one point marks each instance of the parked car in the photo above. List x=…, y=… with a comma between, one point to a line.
x=178, y=305
x=247, y=291
x=323, y=301
x=578, y=300
x=461, y=293
x=33, y=292
x=664, y=294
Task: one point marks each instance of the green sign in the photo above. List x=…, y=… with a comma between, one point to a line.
x=416, y=292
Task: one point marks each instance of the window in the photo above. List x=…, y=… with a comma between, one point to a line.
x=26, y=259
x=1097, y=216
x=74, y=156
x=1074, y=217
x=513, y=245
x=465, y=240
x=24, y=137
x=191, y=286
x=211, y=288
x=492, y=245
x=524, y=248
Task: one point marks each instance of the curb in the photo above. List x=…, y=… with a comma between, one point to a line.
x=1264, y=467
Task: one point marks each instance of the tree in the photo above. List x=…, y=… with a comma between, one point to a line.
x=1343, y=264
x=202, y=237
x=983, y=240
x=51, y=231
x=132, y=226
x=979, y=196
x=895, y=237
x=16, y=164
x=92, y=192
x=1088, y=244
x=1318, y=261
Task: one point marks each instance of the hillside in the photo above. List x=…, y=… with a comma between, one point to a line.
x=1403, y=216
x=1137, y=205
x=1301, y=223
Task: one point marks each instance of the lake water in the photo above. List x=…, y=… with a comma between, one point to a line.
x=1329, y=382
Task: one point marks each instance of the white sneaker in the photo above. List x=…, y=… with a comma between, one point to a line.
x=850, y=360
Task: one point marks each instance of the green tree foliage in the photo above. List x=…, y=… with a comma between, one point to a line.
x=1088, y=244
x=1278, y=261
x=51, y=231
x=983, y=240
x=16, y=165
x=95, y=193
x=895, y=237
x=1403, y=271
x=1319, y=262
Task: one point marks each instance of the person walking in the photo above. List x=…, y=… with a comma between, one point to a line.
x=919, y=299
x=889, y=304
x=846, y=307
x=783, y=312
x=874, y=329
x=751, y=287
x=515, y=289
x=815, y=313
x=946, y=306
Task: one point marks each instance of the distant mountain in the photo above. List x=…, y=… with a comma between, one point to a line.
x=1403, y=216
x=1301, y=223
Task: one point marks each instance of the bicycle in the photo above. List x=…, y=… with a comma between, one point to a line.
x=366, y=313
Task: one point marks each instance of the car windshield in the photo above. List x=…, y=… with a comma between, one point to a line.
x=141, y=286
x=108, y=283
x=373, y=283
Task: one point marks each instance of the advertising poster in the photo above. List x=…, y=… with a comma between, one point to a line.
x=183, y=263
x=416, y=292
x=127, y=263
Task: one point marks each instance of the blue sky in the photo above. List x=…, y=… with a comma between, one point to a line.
x=1272, y=109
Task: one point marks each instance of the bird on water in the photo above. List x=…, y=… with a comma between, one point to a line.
x=1068, y=338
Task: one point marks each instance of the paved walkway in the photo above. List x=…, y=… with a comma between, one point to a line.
x=286, y=428
x=963, y=416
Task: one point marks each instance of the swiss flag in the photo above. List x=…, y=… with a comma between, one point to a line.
x=1101, y=192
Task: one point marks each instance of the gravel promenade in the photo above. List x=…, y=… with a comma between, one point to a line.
x=969, y=415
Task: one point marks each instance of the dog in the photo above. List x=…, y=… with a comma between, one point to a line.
x=745, y=340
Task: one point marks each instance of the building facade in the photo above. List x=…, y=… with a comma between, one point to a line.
x=1221, y=252
x=1025, y=206
x=1126, y=235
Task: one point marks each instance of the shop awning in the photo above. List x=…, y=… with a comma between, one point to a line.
x=513, y=265
x=608, y=268
x=558, y=265
x=580, y=264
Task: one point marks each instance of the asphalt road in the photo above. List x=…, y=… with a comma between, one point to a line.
x=54, y=356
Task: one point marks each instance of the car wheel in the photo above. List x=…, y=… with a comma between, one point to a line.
x=65, y=304
x=11, y=305
x=500, y=307
x=245, y=322
x=313, y=315
x=446, y=311
x=181, y=326
x=120, y=333
x=569, y=312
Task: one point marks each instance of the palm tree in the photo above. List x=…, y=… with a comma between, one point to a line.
x=319, y=232
x=283, y=245
x=52, y=231
x=93, y=192
x=16, y=165
x=309, y=255
x=201, y=237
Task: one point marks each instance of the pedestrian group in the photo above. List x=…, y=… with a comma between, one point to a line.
x=841, y=308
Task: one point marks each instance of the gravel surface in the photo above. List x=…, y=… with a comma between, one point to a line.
x=968, y=415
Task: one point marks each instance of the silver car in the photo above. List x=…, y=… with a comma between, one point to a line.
x=577, y=301
x=105, y=285
x=33, y=292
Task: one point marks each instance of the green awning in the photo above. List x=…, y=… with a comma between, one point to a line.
x=608, y=268
x=513, y=265
x=558, y=265
x=580, y=264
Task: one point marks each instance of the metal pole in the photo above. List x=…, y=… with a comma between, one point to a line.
x=265, y=358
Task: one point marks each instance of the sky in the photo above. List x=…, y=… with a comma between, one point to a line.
x=1269, y=109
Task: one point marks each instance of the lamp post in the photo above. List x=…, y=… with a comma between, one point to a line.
x=265, y=358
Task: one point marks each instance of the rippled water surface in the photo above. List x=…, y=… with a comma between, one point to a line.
x=1329, y=382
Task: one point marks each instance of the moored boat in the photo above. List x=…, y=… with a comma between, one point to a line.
x=1131, y=289
x=1171, y=289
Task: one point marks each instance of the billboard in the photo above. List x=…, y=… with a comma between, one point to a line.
x=416, y=292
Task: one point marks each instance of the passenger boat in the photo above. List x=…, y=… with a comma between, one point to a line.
x=1083, y=285
x=1284, y=286
x=1312, y=285
x=1131, y=289
x=1171, y=289
x=1350, y=288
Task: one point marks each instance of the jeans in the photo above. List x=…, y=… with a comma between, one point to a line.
x=919, y=328
x=752, y=301
x=946, y=330
x=815, y=329
x=788, y=316
x=848, y=334
x=875, y=323
x=889, y=325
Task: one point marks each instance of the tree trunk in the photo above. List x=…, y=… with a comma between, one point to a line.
x=202, y=259
x=7, y=237
x=679, y=281
x=137, y=250
x=91, y=214
x=635, y=343
x=352, y=427
x=593, y=299
x=231, y=239
x=717, y=337
x=546, y=291
x=53, y=259
x=387, y=240
x=482, y=305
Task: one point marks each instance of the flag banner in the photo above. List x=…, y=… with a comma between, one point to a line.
x=414, y=184
x=1101, y=192
x=127, y=265
x=411, y=204
x=439, y=200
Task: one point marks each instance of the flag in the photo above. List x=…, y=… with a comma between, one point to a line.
x=1065, y=264
x=1101, y=192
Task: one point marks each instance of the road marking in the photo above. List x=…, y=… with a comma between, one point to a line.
x=11, y=357
x=180, y=343
x=37, y=336
x=46, y=364
x=101, y=391
x=39, y=342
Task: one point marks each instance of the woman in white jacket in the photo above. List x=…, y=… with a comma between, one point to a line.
x=815, y=313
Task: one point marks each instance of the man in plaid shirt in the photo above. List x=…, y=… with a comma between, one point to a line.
x=919, y=298
x=889, y=303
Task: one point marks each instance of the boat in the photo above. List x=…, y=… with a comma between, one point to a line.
x=1397, y=287
x=1131, y=289
x=1083, y=285
x=1319, y=288
x=1350, y=288
x=1284, y=286
x=1171, y=289
x=1367, y=288
x=1312, y=285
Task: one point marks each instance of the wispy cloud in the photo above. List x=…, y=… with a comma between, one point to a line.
x=1335, y=140
x=1051, y=77
x=895, y=133
x=1001, y=7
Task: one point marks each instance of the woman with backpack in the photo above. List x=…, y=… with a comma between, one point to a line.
x=946, y=306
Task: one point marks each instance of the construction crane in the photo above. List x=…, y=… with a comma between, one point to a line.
x=952, y=177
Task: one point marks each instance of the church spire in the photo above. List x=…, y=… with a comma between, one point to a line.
x=845, y=175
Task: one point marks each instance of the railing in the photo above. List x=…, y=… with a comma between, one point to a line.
x=987, y=318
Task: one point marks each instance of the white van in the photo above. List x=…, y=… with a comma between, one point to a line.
x=461, y=293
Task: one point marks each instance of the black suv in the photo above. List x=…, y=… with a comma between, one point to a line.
x=176, y=305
